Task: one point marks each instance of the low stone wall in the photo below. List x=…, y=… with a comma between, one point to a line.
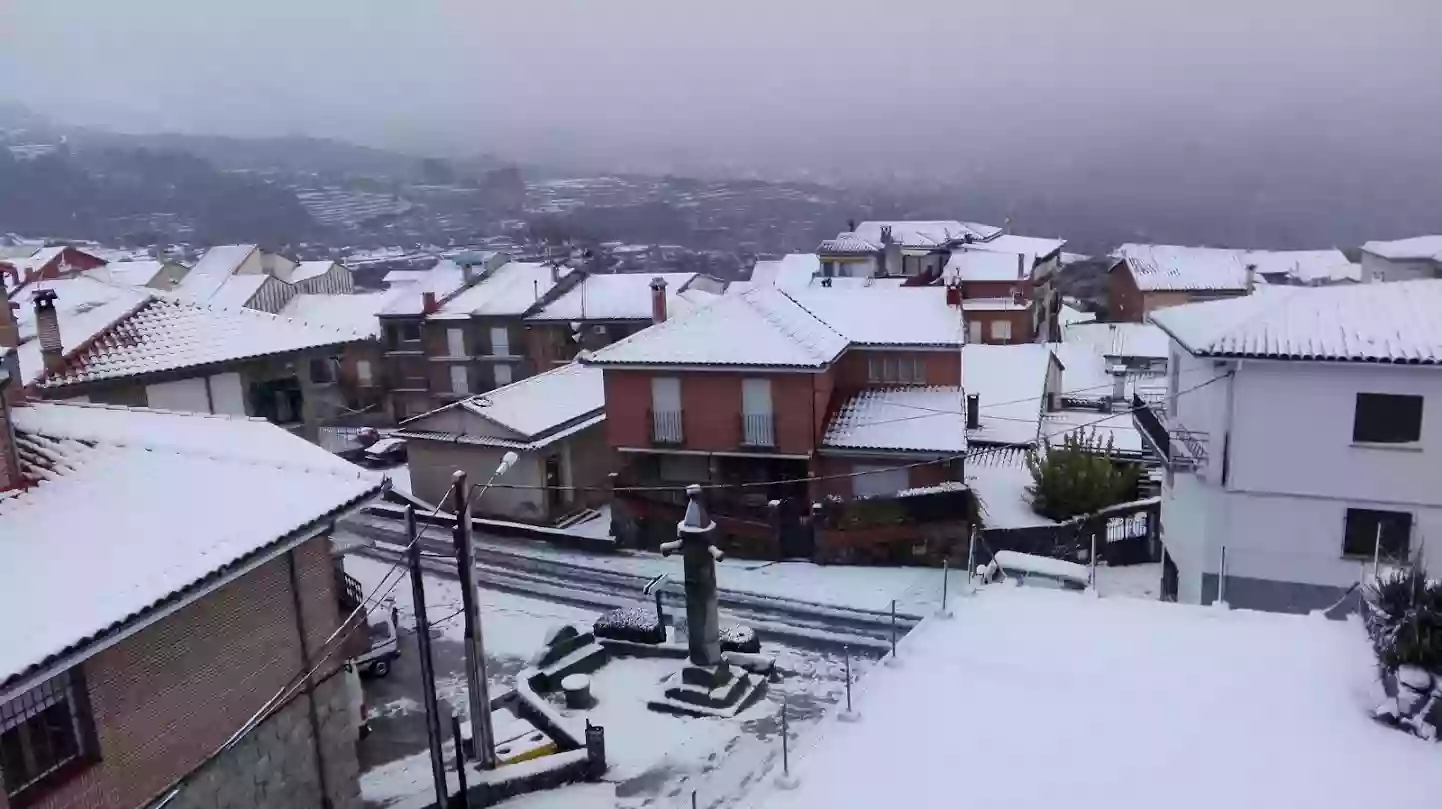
x=274, y=767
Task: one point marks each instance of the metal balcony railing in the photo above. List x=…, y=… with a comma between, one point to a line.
x=666, y=427
x=758, y=430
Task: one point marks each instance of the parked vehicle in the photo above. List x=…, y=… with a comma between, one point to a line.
x=385, y=646
x=385, y=453
x=1029, y=570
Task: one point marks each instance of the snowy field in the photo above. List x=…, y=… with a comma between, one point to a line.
x=656, y=759
x=1071, y=700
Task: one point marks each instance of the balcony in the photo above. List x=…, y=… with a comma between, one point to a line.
x=1179, y=449
x=758, y=430
x=666, y=427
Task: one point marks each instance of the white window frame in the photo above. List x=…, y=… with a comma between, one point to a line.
x=363, y=373
x=1001, y=329
x=503, y=370
x=460, y=380
x=455, y=342
x=973, y=331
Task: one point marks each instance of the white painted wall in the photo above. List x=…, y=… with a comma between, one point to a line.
x=1292, y=470
x=227, y=394
x=1377, y=268
x=186, y=395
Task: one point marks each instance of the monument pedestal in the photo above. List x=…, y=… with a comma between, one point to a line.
x=720, y=690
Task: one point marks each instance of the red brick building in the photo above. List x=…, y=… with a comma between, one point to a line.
x=195, y=585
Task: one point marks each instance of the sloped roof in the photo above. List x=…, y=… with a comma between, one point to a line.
x=84, y=307
x=1143, y=340
x=1164, y=267
x=407, y=291
x=128, y=273
x=310, y=269
x=212, y=270
x=237, y=290
x=790, y=272
x=619, y=296
x=356, y=312
x=969, y=264
x=1035, y=247
x=539, y=404
x=886, y=316
x=1011, y=383
x=925, y=233
x=168, y=334
x=509, y=290
x=759, y=327
x=1395, y=322
x=167, y=502
x=900, y=419
x=1417, y=248
x=848, y=243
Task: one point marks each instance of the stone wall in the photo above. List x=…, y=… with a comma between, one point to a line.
x=274, y=767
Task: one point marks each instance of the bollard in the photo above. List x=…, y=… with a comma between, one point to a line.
x=848, y=715
x=595, y=750
x=891, y=659
x=784, y=780
x=945, y=581
x=693, y=799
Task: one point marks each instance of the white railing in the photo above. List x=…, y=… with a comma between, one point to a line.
x=758, y=430
x=666, y=426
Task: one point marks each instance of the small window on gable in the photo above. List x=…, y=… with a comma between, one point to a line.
x=1385, y=418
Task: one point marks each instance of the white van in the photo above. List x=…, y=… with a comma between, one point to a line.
x=385, y=646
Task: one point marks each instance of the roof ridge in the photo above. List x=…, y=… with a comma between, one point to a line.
x=770, y=319
x=134, y=409
x=1280, y=296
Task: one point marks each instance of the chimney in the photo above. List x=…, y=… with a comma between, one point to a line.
x=428, y=302
x=47, y=326
x=953, y=295
x=658, y=300
x=556, y=271
x=1251, y=276
x=885, y=235
x=468, y=273
x=1020, y=266
x=973, y=411
x=851, y=226
x=1119, y=382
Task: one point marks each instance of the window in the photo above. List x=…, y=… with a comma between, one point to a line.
x=322, y=370
x=459, y=381
x=896, y=370
x=873, y=369
x=1000, y=330
x=872, y=481
x=1385, y=533
x=910, y=265
x=43, y=733
x=500, y=341
x=828, y=269
x=363, y=373
x=455, y=343
x=1384, y=418
x=409, y=332
x=973, y=331
x=503, y=374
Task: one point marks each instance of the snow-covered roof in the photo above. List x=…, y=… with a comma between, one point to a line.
x=169, y=501
x=620, y=296
x=1035, y=247
x=1070, y=316
x=847, y=243
x=1162, y=267
x=999, y=478
x=900, y=419
x=759, y=327
x=212, y=270
x=404, y=277
x=1175, y=691
x=237, y=290
x=408, y=297
x=84, y=307
x=355, y=313
x=790, y=272
x=1118, y=428
x=920, y=233
x=549, y=401
x=993, y=305
x=309, y=269
x=1395, y=322
x=509, y=290
x=970, y=264
x=128, y=273
x=886, y=316
x=1011, y=381
x=1417, y=248
x=168, y=334
x=1140, y=340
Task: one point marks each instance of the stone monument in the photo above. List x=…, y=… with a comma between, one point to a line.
x=708, y=685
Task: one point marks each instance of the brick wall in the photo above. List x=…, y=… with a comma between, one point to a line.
x=1124, y=299
x=1021, y=325
x=853, y=369
x=169, y=695
x=711, y=409
x=9, y=463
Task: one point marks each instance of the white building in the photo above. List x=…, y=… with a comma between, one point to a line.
x=1303, y=431
x=1402, y=260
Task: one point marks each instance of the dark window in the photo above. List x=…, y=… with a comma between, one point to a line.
x=1385, y=418
x=44, y=733
x=322, y=370
x=410, y=332
x=1387, y=533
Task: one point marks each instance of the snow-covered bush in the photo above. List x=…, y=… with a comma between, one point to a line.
x=1404, y=618
x=1080, y=475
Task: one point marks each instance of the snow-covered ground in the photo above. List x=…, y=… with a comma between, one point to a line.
x=1035, y=699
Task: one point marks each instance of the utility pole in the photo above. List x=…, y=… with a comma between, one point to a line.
x=482, y=736
x=423, y=646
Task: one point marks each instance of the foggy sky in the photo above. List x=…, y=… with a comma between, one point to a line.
x=895, y=85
